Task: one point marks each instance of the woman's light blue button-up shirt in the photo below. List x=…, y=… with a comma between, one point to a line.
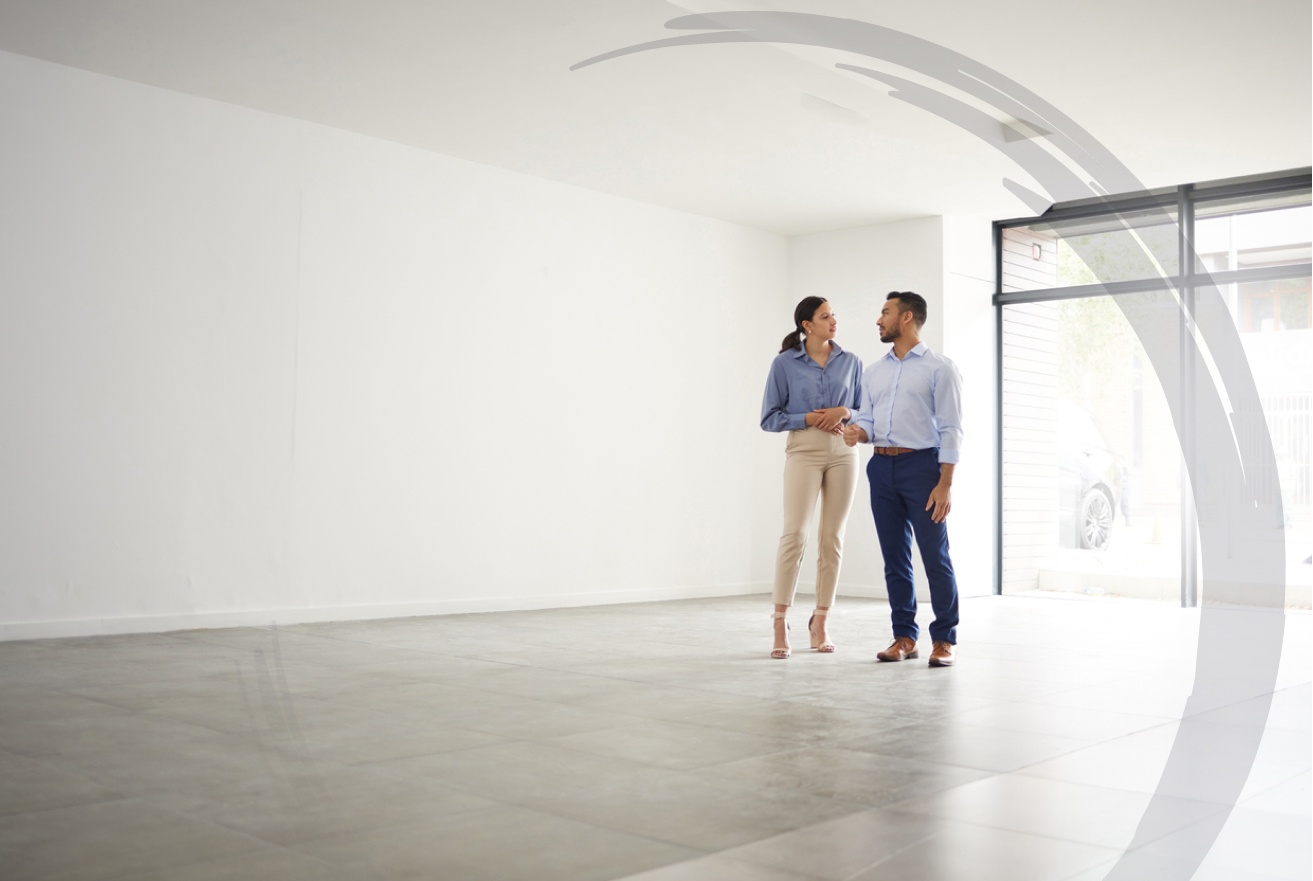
x=797, y=385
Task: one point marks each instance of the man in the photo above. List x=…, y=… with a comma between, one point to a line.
x=912, y=413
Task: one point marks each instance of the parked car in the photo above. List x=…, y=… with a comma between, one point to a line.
x=1090, y=477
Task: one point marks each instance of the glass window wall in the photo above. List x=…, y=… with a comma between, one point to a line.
x=1094, y=496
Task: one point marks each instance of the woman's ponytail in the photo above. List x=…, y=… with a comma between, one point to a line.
x=805, y=311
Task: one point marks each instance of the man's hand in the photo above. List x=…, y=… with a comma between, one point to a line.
x=831, y=419
x=941, y=499
x=854, y=435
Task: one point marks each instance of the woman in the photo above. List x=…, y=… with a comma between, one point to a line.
x=814, y=387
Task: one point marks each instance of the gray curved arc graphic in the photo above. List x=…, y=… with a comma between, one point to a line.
x=914, y=53
x=1242, y=553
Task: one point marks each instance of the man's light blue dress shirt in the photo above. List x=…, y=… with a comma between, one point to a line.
x=914, y=403
x=797, y=385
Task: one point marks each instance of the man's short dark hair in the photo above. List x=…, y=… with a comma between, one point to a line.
x=910, y=302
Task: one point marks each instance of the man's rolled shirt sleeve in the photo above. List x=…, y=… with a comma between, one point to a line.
x=948, y=412
x=866, y=412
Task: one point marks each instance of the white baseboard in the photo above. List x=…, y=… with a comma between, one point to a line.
x=10, y=631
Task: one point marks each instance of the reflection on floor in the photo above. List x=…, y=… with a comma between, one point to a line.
x=654, y=742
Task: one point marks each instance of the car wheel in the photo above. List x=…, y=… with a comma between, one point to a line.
x=1096, y=517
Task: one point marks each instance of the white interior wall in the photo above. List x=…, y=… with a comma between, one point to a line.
x=970, y=338
x=254, y=369
x=947, y=260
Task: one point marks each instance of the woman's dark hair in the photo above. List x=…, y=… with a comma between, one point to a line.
x=806, y=311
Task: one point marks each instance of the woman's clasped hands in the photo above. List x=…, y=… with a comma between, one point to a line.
x=828, y=419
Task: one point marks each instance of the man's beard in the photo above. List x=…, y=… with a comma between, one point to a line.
x=890, y=336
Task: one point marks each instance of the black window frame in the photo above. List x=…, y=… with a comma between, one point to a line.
x=1186, y=280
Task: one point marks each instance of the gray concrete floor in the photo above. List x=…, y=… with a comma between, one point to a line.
x=652, y=742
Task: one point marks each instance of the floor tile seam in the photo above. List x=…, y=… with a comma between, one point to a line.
x=1142, y=847
x=292, y=844
x=1176, y=721
x=691, y=769
x=81, y=802
x=712, y=768
x=703, y=689
x=901, y=850
x=148, y=791
x=890, y=801
x=137, y=687
x=7, y=753
x=1285, y=781
x=1264, y=812
x=1011, y=731
x=573, y=669
x=1078, y=701
x=270, y=736
x=719, y=858
x=963, y=670
x=455, y=784
x=241, y=735
x=677, y=682
x=930, y=716
x=578, y=702
x=135, y=874
x=1198, y=717
x=142, y=801
x=200, y=734
x=58, y=769
x=987, y=827
x=1212, y=810
x=493, y=739
x=85, y=692
x=806, y=738
x=990, y=770
x=1150, y=795
x=468, y=726
x=940, y=834
x=1249, y=876
x=1035, y=680
x=855, y=809
x=886, y=732
x=1156, y=720
x=902, y=717
x=682, y=720
x=500, y=804
x=792, y=700
x=1074, y=658
x=380, y=766
x=1090, y=744
x=598, y=676
x=910, y=791
x=692, y=774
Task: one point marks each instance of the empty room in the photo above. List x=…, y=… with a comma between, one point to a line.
x=523, y=440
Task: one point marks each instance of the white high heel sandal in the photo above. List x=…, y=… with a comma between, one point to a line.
x=819, y=646
x=784, y=653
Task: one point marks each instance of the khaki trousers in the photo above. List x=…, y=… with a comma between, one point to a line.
x=816, y=463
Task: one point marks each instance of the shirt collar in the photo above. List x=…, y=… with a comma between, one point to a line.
x=801, y=351
x=919, y=349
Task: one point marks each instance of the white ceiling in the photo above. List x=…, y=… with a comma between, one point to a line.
x=761, y=134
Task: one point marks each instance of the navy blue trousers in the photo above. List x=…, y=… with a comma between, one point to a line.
x=900, y=488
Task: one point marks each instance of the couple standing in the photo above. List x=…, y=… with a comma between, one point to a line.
x=909, y=405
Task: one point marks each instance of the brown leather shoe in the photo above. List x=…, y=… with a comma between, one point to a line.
x=901, y=648
x=942, y=655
